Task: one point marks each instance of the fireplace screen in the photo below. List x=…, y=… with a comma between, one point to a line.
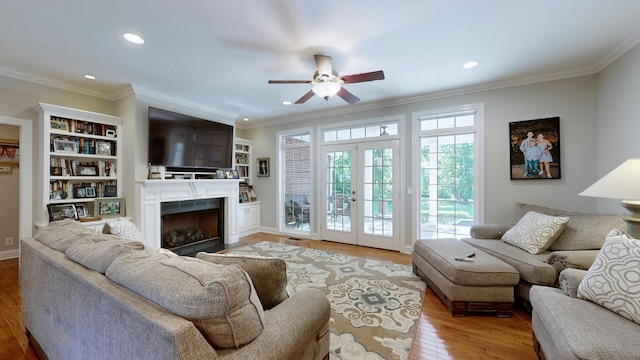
x=191, y=226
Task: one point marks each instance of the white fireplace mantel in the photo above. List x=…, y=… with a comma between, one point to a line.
x=150, y=194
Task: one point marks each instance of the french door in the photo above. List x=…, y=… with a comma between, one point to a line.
x=359, y=192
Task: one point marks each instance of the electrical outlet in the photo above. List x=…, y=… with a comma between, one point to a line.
x=8, y=241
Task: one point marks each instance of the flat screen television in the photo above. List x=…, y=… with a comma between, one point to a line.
x=187, y=143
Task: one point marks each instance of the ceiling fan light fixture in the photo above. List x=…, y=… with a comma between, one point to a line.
x=470, y=64
x=326, y=90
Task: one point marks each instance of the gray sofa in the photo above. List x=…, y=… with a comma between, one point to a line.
x=576, y=247
x=566, y=327
x=72, y=310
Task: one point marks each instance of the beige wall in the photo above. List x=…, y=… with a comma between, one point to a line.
x=9, y=184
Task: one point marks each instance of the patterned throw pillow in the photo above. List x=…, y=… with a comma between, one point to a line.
x=125, y=229
x=613, y=281
x=535, y=232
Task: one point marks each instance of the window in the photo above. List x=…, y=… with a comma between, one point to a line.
x=295, y=152
x=448, y=200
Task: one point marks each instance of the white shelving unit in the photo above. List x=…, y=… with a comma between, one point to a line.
x=243, y=159
x=78, y=156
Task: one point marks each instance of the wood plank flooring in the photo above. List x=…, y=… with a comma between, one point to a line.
x=439, y=337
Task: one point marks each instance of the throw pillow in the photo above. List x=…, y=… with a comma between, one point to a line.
x=535, y=232
x=99, y=251
x=123, y=228
x=219, y=299
x=269, y=275
x=613, y=281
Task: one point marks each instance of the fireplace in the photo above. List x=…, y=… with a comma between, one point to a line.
x=191, y=226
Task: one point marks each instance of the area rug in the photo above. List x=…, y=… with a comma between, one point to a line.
x=375, y=305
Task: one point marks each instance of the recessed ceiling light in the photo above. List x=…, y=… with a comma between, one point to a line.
x=287, y=102
x=470, y=64
x=245, y=119
x=89, y=76
x=136, y=39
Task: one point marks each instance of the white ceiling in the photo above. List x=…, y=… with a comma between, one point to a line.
x=218, y=55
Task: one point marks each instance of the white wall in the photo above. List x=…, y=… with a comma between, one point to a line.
x=573, y=100
x=618, y=128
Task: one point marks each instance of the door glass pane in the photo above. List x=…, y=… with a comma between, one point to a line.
x=338, y=182
x=378, y=191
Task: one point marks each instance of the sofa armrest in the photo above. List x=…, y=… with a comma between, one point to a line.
x=570, y=279
x=575, y=259
x=488, y=231
x=291, y=328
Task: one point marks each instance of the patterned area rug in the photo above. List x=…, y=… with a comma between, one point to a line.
x=375, y=305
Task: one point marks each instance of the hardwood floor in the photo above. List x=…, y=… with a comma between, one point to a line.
x=439, y=337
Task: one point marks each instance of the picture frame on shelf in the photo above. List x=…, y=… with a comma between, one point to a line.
x=228, y=174
x=263, y=167
x=79, y=193
x=87, y=170
x=110, y=133
x=59, y=124
x=109, y=207
x=81, y=211
x=90, y=192
x=62, y=211
x=103, y=148
x=234, y=174
x=110, y=191
x=219, y=174
x=65, y=146
x=244, y=197
x=55, y=171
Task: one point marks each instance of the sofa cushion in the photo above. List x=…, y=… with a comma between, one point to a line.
x=535, y=232
x=219, y=299
x=583, y=231
x=269, y=275
x=613, y=281
x=59, y=235
x=123, y=228
x=97, y=252
x=532, y=268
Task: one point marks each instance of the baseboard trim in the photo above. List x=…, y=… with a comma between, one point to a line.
x=9, y=254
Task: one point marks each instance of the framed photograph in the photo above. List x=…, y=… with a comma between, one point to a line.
x=103, y=148
x=81, y=211
x=110, y=190
x=263, y=167
x=535, y=149
x=110, y=133
x=62, y=211
x=228, y=174
x=59, y=124
x=87, y=170
x=79, y=192
x=109, y=207
x=55, y=171
x=244, y=197
x=90, y=192
x=219, y=174
x=66, y=146
x=235, y=175
x=9, y=152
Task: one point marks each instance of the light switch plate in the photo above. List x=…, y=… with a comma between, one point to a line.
x=5, y=169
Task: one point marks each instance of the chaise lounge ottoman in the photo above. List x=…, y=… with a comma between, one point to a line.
x=485, y=284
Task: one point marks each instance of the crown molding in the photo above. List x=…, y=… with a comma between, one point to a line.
x=625, y=46
x=138, y=90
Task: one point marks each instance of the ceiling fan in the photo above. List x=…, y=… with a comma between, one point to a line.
x=327, y=82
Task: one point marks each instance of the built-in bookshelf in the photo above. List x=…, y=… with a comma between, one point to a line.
x=243, y=160
x=80, y=155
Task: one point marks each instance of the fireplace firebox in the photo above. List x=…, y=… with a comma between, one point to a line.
x=192, y=226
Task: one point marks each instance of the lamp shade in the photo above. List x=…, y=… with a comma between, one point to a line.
x=326, y=89
x=621, y=183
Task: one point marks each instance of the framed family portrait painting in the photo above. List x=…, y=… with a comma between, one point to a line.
x=535, y=149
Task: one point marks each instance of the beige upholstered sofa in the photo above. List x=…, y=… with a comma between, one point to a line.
x=567, y=327
x=95, y=296
x=575, y=247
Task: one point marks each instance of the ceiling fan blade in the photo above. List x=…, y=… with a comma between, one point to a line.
x=305, y=97
x=357, y=78
x=347, y=96
x=289, y=81
x=323, y=62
